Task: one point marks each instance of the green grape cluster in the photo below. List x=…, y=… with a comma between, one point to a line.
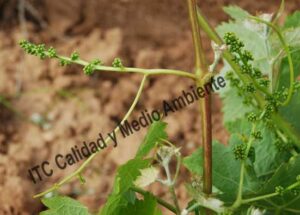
x=37, y=50
x=90, y=68
x=41, y=51
x=240, y=151
x=244, y=59
x=272, y=102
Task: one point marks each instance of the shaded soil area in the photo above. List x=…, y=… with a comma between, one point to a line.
x=46, y=109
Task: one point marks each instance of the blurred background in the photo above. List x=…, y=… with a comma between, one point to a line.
x=46, y=109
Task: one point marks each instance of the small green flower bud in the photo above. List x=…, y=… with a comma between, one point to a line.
x=117, y=63
x=64, y=62
x=247, y=56
x=249, y=88
x=252, y=117
x=247, y=69
x=279, y=190
x=264, y=82
x=74, y=56
x=257, y=135
x=257, y=73
x=52, y=52
x=89, y=69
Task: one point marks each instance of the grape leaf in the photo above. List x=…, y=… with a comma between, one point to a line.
x=285, y=175
x=292, y=21
x=233, y=106
x=154, y=134
x=147, y=177
x=126, y=175
x=61, y=205
x=236, y=12
x=147, y=206
x=291, y=36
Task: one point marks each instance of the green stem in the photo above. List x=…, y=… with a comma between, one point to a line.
x=107, y=140
x=159, y=200
x=175, y=200
x=288, y=53
x=246, y=201
x=239, y=198
x=132, y=70
x=292, y=186
x=193, y=207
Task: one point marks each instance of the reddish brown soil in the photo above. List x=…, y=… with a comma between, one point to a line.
x=149, y=34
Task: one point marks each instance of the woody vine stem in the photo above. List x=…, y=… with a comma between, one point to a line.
x=201, y=70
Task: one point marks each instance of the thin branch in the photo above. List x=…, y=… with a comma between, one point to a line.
x=132, y=70
x=205, y=104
